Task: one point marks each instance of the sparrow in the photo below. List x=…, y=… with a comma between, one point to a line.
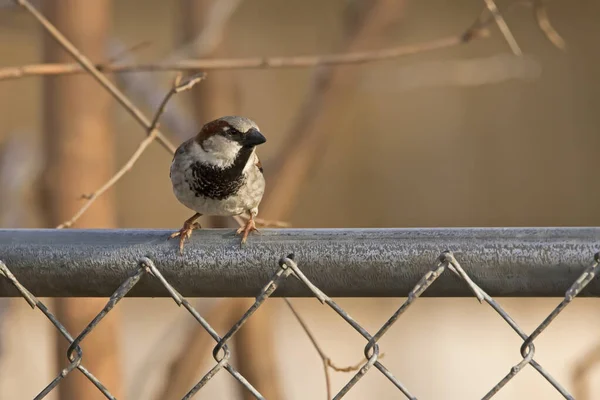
x=218, y=173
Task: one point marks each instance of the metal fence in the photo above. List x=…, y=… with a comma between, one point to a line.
x=373, y=262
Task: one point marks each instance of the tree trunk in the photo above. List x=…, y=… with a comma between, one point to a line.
x=79, y=157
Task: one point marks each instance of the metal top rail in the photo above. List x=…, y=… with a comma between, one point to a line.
x=507, y=262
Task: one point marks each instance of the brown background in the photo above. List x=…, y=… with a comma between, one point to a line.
x=467, y=136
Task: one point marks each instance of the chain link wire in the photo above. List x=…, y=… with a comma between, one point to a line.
x=288, y=267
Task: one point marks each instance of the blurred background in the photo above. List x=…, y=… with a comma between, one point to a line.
x=465, y=135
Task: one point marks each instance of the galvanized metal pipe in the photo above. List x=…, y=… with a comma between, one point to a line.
x=341, y=262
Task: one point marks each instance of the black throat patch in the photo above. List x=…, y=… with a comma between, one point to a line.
x=219, y=183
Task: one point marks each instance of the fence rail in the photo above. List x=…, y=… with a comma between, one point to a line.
x=394, y=262
x=343, y=263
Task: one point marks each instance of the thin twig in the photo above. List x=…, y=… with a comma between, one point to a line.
x=145, y=89
x=358, y=57
x=85, y=64
x=177, y=87
x=265, y=223
x=544, y=22
x=510, y=39
x=327, y=363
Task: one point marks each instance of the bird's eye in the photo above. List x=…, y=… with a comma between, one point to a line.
x=234, y=134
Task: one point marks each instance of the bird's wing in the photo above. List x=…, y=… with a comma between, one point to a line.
x=179, y=150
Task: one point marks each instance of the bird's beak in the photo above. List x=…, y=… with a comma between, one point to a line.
x=253, y=138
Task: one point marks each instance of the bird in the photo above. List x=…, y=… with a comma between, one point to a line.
x=218, y=173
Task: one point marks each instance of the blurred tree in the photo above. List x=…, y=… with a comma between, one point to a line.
x=79, y=157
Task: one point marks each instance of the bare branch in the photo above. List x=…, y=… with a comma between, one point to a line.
x=189, y=82
x=86, y=64
x=544, y=22
x=311, y=61
x=147, y=90
x=288, y=62
x=510, y=39
x=327, y=363
x=177, y=87
x=265, y=223
x=151, y=126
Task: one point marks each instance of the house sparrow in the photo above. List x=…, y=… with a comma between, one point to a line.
x=218, y=173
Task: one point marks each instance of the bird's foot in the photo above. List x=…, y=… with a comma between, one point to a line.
x=246, y=229
x=184, y=233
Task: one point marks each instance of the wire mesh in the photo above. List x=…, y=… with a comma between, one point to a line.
x=288, y=267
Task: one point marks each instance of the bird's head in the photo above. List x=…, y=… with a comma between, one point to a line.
x=222, y=139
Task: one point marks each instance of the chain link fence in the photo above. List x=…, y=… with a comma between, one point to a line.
x=289, y=267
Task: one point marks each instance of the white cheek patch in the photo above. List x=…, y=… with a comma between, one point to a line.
x=252, y=160
x=217, y=150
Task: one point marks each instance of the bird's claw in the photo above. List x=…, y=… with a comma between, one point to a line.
x=184, y=233
x=245, y=231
